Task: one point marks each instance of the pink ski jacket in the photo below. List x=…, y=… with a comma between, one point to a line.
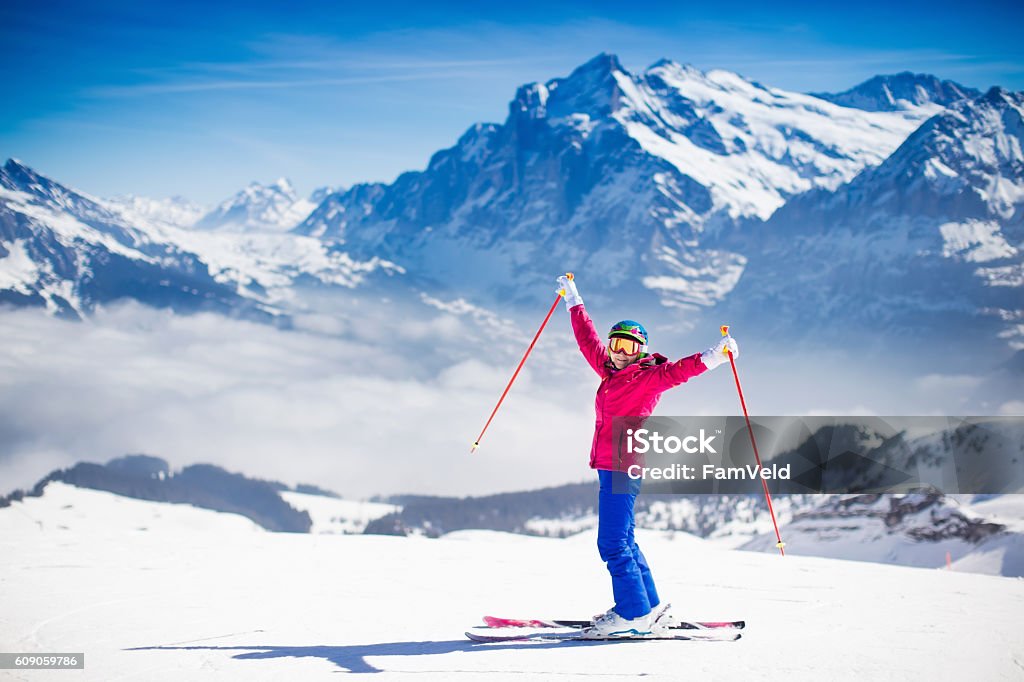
x=631, y=392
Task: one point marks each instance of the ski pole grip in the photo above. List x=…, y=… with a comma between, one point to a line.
x=570, y=276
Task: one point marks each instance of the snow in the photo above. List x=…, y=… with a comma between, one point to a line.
x=274, y=261
x=777, y=143
x=201, y=595
x=67, y=509
x=259, y=208
x=17, y=269
x=66, y=228
x=922, y=538
x=262, y=266
x=1005, y=509
x=1004, y=555
x=975, y=241
x=333, y=515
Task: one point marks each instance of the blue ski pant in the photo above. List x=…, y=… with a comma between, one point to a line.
x=632, y=583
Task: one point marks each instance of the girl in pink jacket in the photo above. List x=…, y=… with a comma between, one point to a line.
x=632, y=381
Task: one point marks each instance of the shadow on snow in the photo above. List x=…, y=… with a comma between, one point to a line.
x=353, y=657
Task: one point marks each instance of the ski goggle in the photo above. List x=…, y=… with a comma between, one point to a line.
x=621, y=344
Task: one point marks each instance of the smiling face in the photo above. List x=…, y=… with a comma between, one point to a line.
x=627, y=342
x=620, y=359
x=624, y=350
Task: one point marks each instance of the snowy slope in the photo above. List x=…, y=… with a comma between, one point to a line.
x=223, y=601
x=335, y=515
x=754, y=146
x=70, y=509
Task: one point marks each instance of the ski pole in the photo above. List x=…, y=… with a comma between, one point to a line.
x=743, y=403
x=536, y=336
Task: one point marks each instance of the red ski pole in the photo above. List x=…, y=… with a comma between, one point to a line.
x=743, y=403
x=536, y=336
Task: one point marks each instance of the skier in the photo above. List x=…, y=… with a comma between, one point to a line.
x=632, y=381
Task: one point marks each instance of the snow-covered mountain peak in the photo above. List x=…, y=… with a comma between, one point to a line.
x=259, y=208
x=17, y=176
x=259, y=191
x=594, y=72
x=933, y=233
x=1001, y=97
x=674, y=66
x=665, y=156
x=15, y=166
x=474, y=143
x=321, y=193
x=284, y=185
x=972, y=152
x=67, y=251
x=36, y=190
x=175, y=211
x=719, y=79
x=751, y=145
x=901, y=92
x=592, y=90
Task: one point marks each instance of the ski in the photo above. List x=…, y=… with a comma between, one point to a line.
x=578, y=636
x=495, y=622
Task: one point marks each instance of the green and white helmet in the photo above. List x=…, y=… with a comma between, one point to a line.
x=630, y=329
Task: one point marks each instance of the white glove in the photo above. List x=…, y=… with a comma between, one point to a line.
x=567, y=288
x=713, y=357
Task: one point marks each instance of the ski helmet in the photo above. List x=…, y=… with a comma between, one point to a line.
x=630, y=329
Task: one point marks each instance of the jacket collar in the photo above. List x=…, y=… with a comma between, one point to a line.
x=649, y=362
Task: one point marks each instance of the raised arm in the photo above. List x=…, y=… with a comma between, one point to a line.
x=587, y=338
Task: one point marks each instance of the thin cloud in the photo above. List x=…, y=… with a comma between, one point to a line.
x=225, y=85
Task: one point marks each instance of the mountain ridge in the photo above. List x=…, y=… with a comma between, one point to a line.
x=932, y=235
x=606, y=170
x=70, y=252
x=896, y=92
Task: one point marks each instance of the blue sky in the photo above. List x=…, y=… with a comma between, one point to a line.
x=198, y=99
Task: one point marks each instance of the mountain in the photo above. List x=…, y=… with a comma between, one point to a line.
x=260, y=208
x=68, y=251
x=930, y=241
x=610, y=172
x=566, y=510
x=318, y=195
x=703, y=188
x=202, y=485
x=910, y=530
x=901, y=92
x=983, y=533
